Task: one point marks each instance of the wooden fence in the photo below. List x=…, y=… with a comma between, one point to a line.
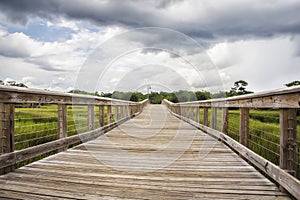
x=10, y=97
x=286, y=100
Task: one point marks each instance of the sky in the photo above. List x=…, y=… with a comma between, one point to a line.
x=103, y=46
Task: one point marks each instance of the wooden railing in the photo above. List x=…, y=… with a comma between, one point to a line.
x=287, y=101
x=10, y=97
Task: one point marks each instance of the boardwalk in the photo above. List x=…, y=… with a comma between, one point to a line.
x=153, y=156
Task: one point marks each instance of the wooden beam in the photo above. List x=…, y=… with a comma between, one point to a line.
x=288, y=140
x=11, y=95
x=6, y=132
x=244, y=126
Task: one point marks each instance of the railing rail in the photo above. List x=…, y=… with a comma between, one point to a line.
x=287, y=101
x=10, y=97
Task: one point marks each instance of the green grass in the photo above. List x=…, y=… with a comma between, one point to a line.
x=34, y=126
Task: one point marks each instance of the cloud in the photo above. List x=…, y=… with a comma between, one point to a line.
x=264, y=63
x=207, y=20
x=249, y=40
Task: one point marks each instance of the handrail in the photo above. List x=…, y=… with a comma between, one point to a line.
x=286, y=100
x=24, y=95
x=11, y=96
x=282, y=98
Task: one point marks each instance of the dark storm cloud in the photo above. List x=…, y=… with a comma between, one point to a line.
x=209, y=20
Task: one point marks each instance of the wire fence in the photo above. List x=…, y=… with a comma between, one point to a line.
x=34, y=126
x=233, y=124
x=77, y=120
x=264, y=134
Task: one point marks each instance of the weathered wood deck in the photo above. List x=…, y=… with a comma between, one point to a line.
x=153, y=156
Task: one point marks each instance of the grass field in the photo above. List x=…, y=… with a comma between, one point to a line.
x=35, y=126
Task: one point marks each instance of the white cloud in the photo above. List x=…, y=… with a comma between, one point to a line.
x=264, y=64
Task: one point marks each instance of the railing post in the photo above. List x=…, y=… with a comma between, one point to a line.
x=225, y=120
x=91, y=117
x=244, y=126
x=108, y=114
x=101, y=115
x=205, y=116
x=6, y=132
x=213, y=117
x=62, y=122
x=288, y=141
x=116, y=113
x=193, y=113
x=121, y=111
x=197, y=114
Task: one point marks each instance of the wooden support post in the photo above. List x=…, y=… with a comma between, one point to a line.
x=91, y=117
x=126, y=111
x=192, y=116
x=116, y=113
x=225, y=120
x=101, y=116
x=205, y=116
x=213, y=118
x=62, y=122
x=197, y=114
x=121, y=111
x=108, y=114
x=288, y=140
x=7, y=132
x=244, y=126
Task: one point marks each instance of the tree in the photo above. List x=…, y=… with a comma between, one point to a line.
x=220, y=94
x=293, y=83
x=239, y=88
x=202, y=95
x=15, y=84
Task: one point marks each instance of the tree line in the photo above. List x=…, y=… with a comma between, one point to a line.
x=239, y=88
